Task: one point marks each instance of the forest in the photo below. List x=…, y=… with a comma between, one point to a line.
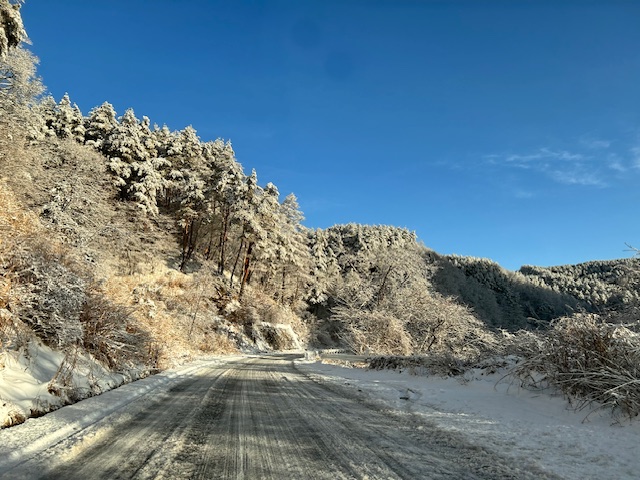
x=143, y=247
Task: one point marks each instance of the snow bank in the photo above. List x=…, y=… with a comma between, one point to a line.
x=36, y=380
x=35, y=436
x=518, y=423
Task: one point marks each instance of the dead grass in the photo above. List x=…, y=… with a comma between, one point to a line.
x=177, y=310
x=596, y=364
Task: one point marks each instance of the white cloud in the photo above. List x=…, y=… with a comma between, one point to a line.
x=542, y=157
x=595, y=143
x=578, y=177
x=591, y=162
x=635, y=156
x=562, y=166
x=615, y=163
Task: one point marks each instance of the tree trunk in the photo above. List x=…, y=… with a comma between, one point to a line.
x=235, y=264
x=284, y=277
x=186, y=231
x=247, y=269
x=223, y=239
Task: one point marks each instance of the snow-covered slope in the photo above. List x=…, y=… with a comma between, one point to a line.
x=500, y=416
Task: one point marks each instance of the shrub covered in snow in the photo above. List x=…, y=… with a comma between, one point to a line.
x=51, y=296
x=589, y=360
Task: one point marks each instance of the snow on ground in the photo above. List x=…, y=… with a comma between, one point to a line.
x=517, y=422
x=36, y=435
x=37, y=379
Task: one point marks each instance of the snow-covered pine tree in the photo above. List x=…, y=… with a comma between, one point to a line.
x=134, y=162
x=68, y=121
x=247, y=215
x=269, y=244
x=293, y=251
x=185, y=180
x=324, y=270
x=189, y=187
x=12, y=30
x=99, y=124
x=227, y=188
x=46, y=109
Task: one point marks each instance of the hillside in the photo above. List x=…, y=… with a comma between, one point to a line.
x=129, y=248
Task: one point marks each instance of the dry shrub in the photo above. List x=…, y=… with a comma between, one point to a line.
x=418, y=323
x=218, y=343
x=15, y=221
x=49, y=293
x=373, y=331
x=178, y=311
x=61, y=385
x=589, y=360
x=444, y=364
x=444, y=327
x=111, y=334
x=259, y=307
x=12, y=414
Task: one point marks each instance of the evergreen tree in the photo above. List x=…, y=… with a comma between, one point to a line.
x=324, y=271
x=68, y=121
x=293, y=251
x=12, y=31
x=134, y=162
x=227, y=189
x=99, y=125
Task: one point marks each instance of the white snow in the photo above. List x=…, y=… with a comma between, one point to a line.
x=537, y=426
x=36, y=435
x=29, y=376
x=522, y=424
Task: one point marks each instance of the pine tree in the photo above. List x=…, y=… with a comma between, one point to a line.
x=324, y=271
x=185, y=180
x=12, y=30
x=227, y=189
x=293, y=251
x=68, y=121
x=101, y=122
x=134, y=162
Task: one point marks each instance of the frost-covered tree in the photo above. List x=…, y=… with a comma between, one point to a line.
x=227, y=189
x=12, y=30
x=102, y=120
x=293, y=254
x=185, y=179
x=20, y=88
x=68, y=121
x=134, y=162
x=324, y=269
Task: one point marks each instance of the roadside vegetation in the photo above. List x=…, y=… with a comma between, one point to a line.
x=140, y=247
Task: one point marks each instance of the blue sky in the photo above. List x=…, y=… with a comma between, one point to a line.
x=500, y=129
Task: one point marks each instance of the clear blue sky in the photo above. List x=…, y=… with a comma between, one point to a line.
x=500, y=129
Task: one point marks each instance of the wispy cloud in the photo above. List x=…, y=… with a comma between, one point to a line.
x=578, y=177
x=562, y=166
x=615, y=163
x=545, y=154
x=590, y=162
x=594, y=143
x=635, y=156
x=523, y=194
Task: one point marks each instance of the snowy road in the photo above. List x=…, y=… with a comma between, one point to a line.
x=260, y=418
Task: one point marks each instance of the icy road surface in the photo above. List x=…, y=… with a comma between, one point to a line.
x=248, y=418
